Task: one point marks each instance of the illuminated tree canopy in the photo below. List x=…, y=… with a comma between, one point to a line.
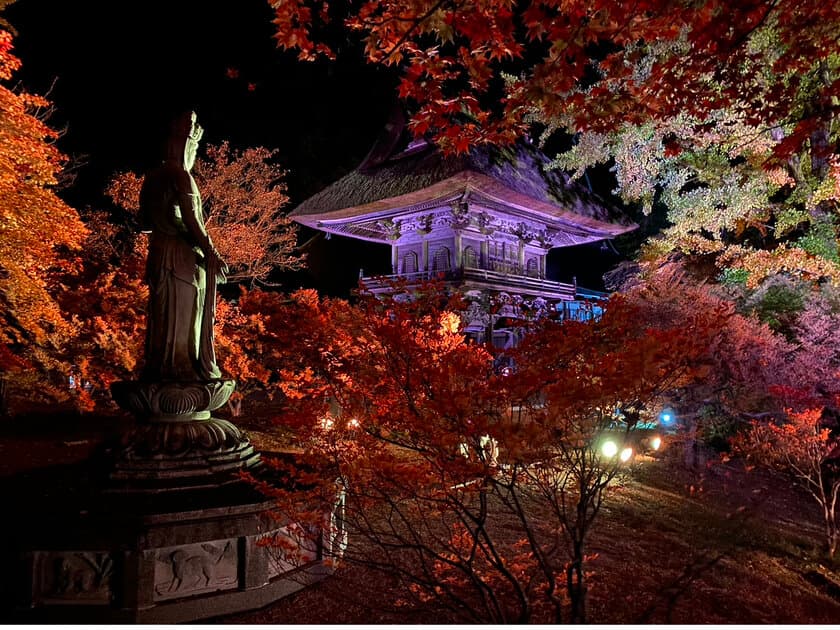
x=723, y=112
x=39, y=233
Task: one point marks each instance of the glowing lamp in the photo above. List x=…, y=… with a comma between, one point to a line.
x=626, y=454
x=655, y=443
x=666, y=417
x=353, y=424
x=327, y=423
x=609, y=448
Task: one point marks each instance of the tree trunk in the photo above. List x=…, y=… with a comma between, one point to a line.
x=4, y=401
x=576, y=587
x=691, y=447
x=830, y=530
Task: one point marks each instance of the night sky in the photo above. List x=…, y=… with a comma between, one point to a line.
x=118, y=71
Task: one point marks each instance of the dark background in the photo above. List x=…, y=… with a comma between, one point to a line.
x=118, y=71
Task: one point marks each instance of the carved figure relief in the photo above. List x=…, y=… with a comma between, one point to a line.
x=545, y=238
x=391, y=229
x=483, y=222
x=193, y=569
x=80, y=575
x=424, y=223
x=460, y=214
x=523, y=232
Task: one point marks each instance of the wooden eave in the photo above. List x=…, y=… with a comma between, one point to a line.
x=351, y=220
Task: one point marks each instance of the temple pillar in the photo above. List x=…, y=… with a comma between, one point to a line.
x=424, y=263
x=395, y=258
x=485, y=255
x=459, y=254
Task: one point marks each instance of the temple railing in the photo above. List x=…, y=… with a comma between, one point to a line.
x=496, y=280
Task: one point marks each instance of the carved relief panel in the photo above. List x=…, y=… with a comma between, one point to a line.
x=73, y=576
x=199, y=568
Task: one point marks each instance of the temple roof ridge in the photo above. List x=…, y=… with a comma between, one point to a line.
x=400, y=173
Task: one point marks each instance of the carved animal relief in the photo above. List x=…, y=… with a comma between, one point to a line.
x=193, y=569
x=81, y=575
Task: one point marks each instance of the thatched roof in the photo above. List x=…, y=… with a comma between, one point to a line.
x=518, y=177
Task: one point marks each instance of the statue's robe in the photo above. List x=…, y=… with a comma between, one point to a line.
x=179, y=333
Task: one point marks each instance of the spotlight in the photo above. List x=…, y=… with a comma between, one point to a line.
x=609, y=448
x=666, y=417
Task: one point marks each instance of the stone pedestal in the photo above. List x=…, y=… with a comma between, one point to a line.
x=177, y=443
x=83, y=555
x=163, y=529
x=160, y=528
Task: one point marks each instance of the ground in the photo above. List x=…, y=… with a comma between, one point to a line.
x=679, y=540
x=674, y=544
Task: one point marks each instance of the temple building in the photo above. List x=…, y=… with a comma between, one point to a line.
x=484, y=221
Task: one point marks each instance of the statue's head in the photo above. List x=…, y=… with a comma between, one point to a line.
x=185, y=133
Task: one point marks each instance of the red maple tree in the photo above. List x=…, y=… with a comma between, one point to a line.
x=37, y=231
x=105, y=300
x=243, y=194
x=803, y=448
x=243, y=197
x=479, y=71
x=477, y=489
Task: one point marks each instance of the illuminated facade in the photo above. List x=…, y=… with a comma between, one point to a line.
x=484, y=222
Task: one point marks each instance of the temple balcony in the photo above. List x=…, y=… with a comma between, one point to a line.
x=468, y=278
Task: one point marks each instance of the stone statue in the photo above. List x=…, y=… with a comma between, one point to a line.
x=183, y=266
x=177, y=443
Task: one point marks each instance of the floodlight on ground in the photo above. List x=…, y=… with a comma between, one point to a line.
x=609, y=448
